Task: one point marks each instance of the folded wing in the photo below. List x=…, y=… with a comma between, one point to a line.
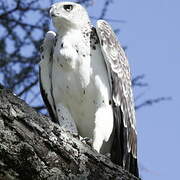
x=45, y=72
x=124, y=148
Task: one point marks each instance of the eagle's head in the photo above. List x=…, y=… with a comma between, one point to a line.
x=66, y=15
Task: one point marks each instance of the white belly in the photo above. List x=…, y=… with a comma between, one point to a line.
x=82, y=102
x=81, y=86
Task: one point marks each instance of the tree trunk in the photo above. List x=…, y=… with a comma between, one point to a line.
x=33, y=147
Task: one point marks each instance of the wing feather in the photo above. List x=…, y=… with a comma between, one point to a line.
x=45, y=71
x=124, y=149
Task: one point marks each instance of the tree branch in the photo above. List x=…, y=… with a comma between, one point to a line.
x=33, y=147
x=150, y=102
x=136, y=81
x=27, y=88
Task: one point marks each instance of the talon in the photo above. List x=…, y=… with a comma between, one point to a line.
x=86, y=140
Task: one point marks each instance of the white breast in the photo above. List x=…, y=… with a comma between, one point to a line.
x=80, y=81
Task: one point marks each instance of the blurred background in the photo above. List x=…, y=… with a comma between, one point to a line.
x=148, y=31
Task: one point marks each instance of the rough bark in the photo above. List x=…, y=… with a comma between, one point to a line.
x=33, y=147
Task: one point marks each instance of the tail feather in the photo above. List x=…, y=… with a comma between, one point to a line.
x=119, y=150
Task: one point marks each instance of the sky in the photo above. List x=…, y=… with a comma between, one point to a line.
x=151, y=32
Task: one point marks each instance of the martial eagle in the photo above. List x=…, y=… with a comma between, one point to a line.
x=85, y=82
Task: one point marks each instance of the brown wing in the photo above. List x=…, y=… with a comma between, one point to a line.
x=124, y=148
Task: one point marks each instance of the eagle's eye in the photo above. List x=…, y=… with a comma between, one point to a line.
x=68, y=7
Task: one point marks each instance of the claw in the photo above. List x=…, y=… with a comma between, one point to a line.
x=86, y=140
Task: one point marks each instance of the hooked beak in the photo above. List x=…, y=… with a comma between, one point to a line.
x=52, y=12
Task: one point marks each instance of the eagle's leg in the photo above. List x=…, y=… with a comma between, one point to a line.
x=103, y=126
x=65, y=119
